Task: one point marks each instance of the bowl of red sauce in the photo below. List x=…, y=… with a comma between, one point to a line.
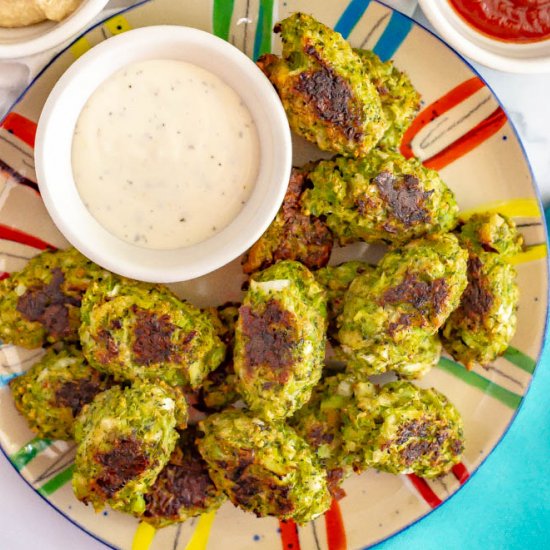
x=508, y=35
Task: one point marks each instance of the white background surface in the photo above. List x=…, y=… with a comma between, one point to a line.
x=26, y=521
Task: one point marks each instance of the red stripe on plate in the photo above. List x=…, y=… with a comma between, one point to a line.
x=469, y=141
x=334, y=525
x=17, y=236
x=289, y=535
x=21, y=127
x=437, y=108
x=425, y=491
x=461, y=473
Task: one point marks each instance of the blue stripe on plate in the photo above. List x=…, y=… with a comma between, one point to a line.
x=259, y=30
x=264, y=28
x=393, y=36
x=5, y=378
x=350, y=17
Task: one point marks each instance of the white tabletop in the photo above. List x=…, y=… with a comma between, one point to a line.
x=26, y=521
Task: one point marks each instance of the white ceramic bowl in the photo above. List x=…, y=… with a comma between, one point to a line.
x=55, y=135
x=504, y=56
x=25, y=41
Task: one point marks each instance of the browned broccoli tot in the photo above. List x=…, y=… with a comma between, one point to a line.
x=41, y=303
x=382, y=197
x=404, y=429
x=183, y=489
x=263, y=468
x=391, y=314
x=484, y=324
x=136, y=330
x=326, y=92
x=280, y=340
x=53, y=391
x=125, y=438
x=292, y=235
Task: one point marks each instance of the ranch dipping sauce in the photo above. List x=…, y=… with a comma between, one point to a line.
x=165, y=154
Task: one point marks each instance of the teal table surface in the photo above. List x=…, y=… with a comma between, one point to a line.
x=506, y=503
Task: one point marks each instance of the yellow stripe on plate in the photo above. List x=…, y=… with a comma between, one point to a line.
x=117, y=24
x=144, y=536
x=80, y=47
x=515, y=208
x=199, y=540
x=536, y=252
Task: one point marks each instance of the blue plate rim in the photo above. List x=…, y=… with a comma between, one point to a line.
x=543, y=220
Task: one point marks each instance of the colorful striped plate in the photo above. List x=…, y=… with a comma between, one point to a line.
x=461, y=131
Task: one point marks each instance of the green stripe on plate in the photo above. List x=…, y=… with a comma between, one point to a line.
x=519, y=359
x=57, y=481
x=26, y=453
x=222, y=11
x=509, y=398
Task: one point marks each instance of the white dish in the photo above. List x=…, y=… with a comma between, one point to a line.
x=54, y=143
x=531, y=57
x=493, y=174
x=26, y=41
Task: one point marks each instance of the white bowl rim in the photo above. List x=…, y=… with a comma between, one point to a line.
x=97, y=537
x=153, y=272
x=62, y=31
x=461, y=42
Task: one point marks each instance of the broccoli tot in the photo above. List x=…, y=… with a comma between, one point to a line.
x=41, y=303
x=383, y=197
x=484, y=324
x=219, y=388
x=400, y=101
x=280, y=340
x=321, y=421
x=491, y=232
x=125, y=437
x=405, y=429
x=225, y=318
x=136, y=330
x=263, y=468
x=390, y=314
x=183, y=489
x=422, y=360
x=53, y=391
x=336, y=280
x=326, y=92
x=292, y=235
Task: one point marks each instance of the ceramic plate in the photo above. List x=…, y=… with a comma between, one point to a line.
x=461, y=131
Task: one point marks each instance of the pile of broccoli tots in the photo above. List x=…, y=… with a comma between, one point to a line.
x=175, y=409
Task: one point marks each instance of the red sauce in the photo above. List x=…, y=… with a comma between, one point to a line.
x=517, y=21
